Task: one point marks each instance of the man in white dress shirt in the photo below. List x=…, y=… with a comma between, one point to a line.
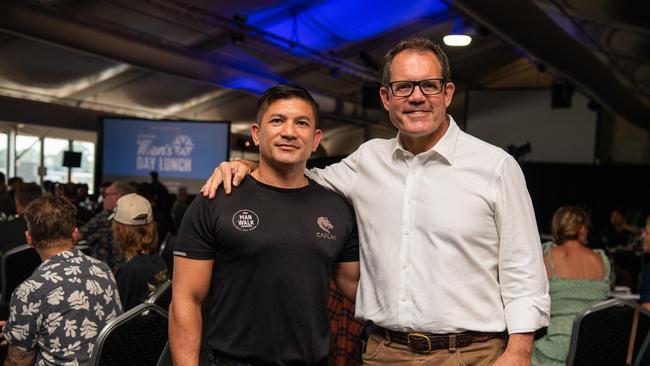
x=450, y=254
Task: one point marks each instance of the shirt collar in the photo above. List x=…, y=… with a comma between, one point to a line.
x=445, y=147
x=62, y=256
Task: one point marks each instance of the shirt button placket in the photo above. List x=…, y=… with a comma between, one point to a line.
x=405, y=250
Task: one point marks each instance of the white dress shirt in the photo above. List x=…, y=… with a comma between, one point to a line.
x=448, y=237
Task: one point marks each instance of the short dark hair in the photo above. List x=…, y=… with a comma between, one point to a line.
x=69, y=191
x=122, y=188
x=50, y=221
x=13, y=180
x=28, y=192
x=419, y=44
x=284, y=91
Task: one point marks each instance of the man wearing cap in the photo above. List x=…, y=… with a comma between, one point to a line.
x=267, y=252
x=56, y=314
x=135, y=232
x=97, y=232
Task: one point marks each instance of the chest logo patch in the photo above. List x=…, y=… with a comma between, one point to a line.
x=245, y=220
x=325, y=225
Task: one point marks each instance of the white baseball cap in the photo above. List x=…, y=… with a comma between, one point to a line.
x=132, y=209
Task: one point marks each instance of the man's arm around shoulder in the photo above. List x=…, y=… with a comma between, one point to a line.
x=189, y=289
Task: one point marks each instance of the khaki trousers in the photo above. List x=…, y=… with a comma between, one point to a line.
x=381, y=352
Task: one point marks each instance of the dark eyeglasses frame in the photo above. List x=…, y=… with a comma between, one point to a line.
x=415, y=83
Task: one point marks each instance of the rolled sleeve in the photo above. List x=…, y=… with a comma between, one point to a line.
x=522, y=275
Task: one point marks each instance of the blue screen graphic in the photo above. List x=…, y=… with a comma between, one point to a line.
x=178, y=150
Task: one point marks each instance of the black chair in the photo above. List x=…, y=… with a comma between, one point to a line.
x=84, y=248
x=601, y=334
x=643, y=358
x=166, y=251
x=166, y=357
x=135, y=338
x=163, y=296
x=16, y=266
x=163, y=244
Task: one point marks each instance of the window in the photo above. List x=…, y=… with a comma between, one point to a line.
x=86, y=173
x=53, y=159
x=4, y=167
x=28, y=157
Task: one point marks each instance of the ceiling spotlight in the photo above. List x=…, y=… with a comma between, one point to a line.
x=458, y=37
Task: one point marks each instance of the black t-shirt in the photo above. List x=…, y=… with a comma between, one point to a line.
x=274, y=250
x=138, y=278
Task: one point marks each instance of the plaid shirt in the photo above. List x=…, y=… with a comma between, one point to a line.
x=99, y=237
x=345, y=346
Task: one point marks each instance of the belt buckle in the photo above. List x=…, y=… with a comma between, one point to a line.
x=416, y=335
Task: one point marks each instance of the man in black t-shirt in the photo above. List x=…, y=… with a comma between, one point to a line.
x=265, y=254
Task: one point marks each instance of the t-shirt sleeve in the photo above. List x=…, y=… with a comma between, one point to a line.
x=350, y=252
x=24, y=319
x=196, y=236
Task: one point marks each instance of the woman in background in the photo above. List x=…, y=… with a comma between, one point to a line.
x=578, y=278
x=135, y=232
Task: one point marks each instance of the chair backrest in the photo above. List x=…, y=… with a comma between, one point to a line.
x=167, y=253
x=84, y=248
x=643, y=357
x=135, y=338
x=163, y=244
x=166, y=357
x=16, y=265
x=163, y=296
x=601, y=334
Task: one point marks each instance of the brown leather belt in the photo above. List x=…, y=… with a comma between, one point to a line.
x=427, y=342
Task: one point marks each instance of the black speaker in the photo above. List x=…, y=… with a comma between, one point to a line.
x=561, y=93
x=370, y=95
x=71, y=159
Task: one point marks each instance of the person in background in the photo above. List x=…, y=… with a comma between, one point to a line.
x=56, y=314
x=70, y=192
x=346, y=344
x=180, y=206
x=163, y=218
x=135, y=232
x=15, y=183
x=6, y=202
x=578, y=277
x=97, y=232
x=645, y=277
x=161, y=197
x=12, y=232
x=619, y=232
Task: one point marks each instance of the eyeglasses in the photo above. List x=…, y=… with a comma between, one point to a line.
x=427, y=87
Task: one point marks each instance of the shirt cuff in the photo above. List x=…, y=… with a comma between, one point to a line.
x=527, y=315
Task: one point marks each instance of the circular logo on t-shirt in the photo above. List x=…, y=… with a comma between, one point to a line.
x=245, y=220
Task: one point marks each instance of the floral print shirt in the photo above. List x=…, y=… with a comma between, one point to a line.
x=62, y=307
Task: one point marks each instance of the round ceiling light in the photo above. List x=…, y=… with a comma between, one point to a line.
x=457, y=40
